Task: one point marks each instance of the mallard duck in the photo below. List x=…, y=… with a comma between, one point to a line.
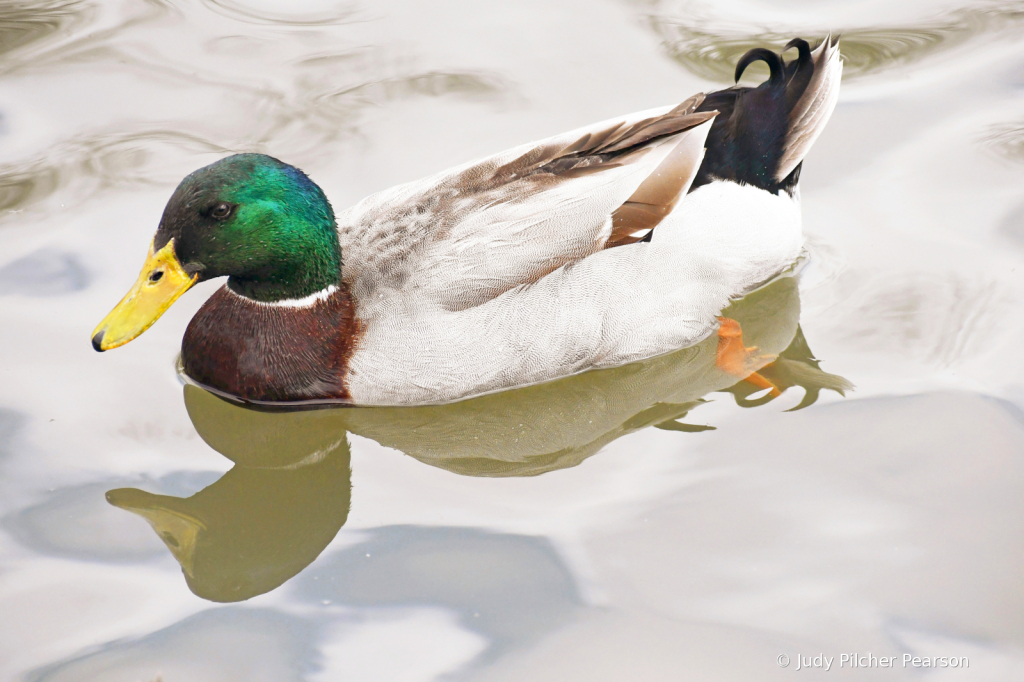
x=609, y=244
x=535, y=429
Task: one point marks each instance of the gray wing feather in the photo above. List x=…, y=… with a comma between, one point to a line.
x=467, y=235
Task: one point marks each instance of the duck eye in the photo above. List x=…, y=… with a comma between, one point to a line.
x=221, y=211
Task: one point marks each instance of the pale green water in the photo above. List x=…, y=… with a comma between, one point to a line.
x=589, y=529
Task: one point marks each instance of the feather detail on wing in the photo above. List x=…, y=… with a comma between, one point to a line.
x=658, y=194
x=464, y=236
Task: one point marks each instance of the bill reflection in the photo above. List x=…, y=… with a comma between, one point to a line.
x=254, y=528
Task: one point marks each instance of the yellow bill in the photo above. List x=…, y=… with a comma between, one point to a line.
x=179, y=530
x=160, y=283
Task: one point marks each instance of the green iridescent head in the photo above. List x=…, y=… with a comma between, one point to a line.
x=260, y=222
x=249, y=217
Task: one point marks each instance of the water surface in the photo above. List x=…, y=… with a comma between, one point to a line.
x=659, y=521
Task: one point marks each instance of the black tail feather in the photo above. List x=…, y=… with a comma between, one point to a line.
x=761, y=134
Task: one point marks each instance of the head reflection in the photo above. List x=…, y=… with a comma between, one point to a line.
x=288, y=495
x=255, y=527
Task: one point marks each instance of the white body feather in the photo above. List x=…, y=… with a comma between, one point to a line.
x=462, y=295
x=613, y=307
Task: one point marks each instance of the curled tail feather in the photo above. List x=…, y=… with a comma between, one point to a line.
x=762, y=134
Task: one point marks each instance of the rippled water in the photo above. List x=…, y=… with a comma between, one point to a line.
x=657, y=521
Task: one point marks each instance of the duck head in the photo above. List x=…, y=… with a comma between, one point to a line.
x=249, y=217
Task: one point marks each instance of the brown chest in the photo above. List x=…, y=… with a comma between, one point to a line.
x=271, y=352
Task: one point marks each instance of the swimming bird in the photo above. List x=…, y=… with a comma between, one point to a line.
x=609, y=244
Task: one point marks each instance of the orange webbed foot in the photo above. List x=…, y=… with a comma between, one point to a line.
x=732, y=357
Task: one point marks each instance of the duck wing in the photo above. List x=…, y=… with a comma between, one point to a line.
x=466, y=235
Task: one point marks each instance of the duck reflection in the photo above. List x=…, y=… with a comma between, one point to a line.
x=289, y=493
x=254, y=528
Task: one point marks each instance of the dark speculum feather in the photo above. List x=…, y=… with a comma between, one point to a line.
x=760, y=54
